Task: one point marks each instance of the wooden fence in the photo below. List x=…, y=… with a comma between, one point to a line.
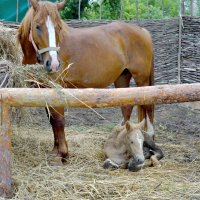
x=37, y=97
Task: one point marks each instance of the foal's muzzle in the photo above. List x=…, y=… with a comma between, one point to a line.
x=136, y=163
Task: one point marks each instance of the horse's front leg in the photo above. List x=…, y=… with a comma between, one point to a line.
x=60, y=150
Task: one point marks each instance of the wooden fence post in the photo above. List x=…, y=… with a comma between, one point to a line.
x=5, y=152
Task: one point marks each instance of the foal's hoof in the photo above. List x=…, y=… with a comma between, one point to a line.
x=155, y=162
x=109, y=164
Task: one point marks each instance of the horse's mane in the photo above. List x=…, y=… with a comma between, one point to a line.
x=46, y=8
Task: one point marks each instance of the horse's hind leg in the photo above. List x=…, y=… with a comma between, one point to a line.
x=123, y=81
x=60, y=149
x=146, y=111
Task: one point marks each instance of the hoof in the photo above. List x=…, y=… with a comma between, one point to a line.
x=154, y=161
x=55, y=160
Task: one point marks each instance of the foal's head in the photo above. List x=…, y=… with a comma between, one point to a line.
x=45, y=31
x=134, y=141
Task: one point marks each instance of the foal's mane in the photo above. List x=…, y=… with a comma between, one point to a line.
x=46, y=8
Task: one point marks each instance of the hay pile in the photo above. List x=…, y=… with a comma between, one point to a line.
x=10, y=63
x=9, y=50
x=83, y=177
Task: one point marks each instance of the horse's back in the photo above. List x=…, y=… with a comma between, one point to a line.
x=100, y=54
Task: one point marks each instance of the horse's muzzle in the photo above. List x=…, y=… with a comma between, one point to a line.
x=136, y=163
x=52, y=66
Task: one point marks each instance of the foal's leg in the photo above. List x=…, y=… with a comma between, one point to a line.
x=115, y=163
x=57, y=121
x=123, y=81
x=109, y=164
x=155, y=152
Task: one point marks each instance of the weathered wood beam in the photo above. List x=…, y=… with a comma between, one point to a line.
x=5, y=153
x=37, y=97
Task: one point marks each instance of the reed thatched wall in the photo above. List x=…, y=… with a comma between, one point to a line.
x=190, y=54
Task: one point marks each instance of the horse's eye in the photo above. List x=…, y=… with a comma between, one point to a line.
x=131, y=142
x=38, y=28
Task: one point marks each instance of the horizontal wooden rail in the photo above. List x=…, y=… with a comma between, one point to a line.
x=36, y=97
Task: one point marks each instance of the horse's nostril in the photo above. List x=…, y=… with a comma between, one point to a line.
x=139, y=159
x=48, y=65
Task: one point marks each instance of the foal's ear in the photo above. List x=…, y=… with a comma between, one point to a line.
x=141, y=124
x=35, y=4
x=61, y=5
x=128, y=126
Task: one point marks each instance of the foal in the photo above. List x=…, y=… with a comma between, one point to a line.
x=128, y=147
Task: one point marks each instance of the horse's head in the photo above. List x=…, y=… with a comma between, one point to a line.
x=135, y=140
x=45, y=32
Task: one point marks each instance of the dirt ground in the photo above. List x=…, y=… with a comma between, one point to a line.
x=82, y=177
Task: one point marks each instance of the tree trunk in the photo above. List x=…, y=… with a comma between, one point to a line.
x=136, y=6
x=148, y=9
x=121, y=9
x=100, y=9
x=162, y=1
x=79, y=9
x=182, y=7
x=191, y=7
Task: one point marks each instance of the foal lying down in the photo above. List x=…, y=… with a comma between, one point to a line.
x=128, y=147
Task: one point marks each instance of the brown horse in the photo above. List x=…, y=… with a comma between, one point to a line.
x=128, y=147
x=90, y=57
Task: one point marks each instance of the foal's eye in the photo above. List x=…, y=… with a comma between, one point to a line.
x=38, y=28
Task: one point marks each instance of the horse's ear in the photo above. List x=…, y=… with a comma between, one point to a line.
x=61, y=5
x=34, y=4
x=141, y=124
x=128, y=126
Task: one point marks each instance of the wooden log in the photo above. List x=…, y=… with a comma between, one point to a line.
x=5, y=153
x=37, y=97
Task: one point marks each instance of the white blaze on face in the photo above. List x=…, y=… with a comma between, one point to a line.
x=150, y=129
x=52, y=43
x=140, y=141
